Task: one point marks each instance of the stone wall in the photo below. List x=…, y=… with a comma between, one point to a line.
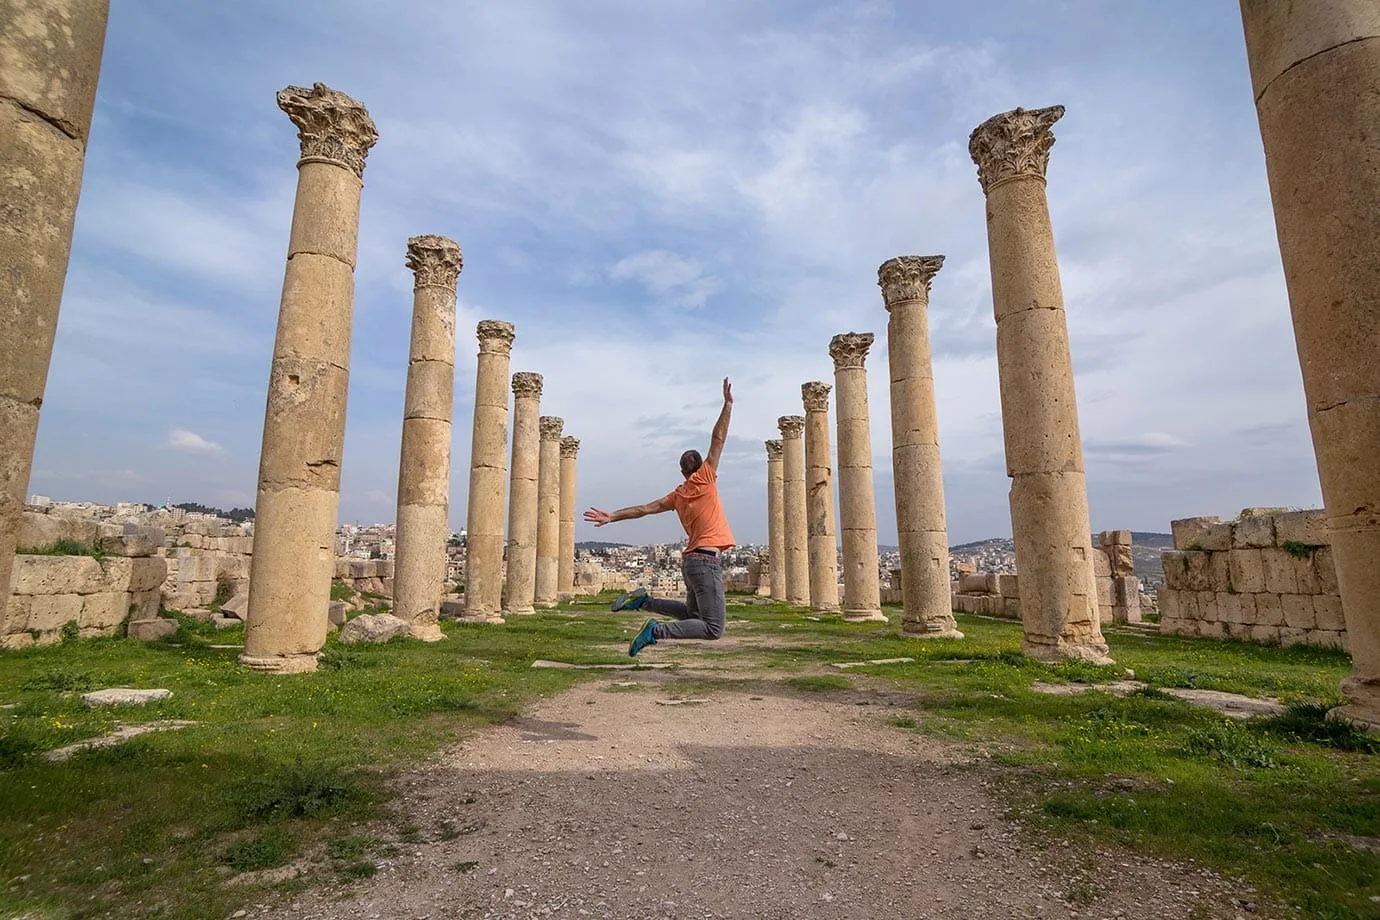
x=374, y=576
x=201, y=554
x=1265, y=576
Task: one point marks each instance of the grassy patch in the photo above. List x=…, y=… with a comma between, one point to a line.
x=61, y=548
x=819, y=684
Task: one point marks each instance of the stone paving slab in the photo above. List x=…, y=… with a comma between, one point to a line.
x=118, y=736
x=1232, y=705
x=123, y=696
x=653, y=666
x=845, y=665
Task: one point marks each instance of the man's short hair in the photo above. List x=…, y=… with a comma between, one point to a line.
x=690, y=462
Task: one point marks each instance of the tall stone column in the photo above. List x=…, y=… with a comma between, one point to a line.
x=488, y=470
x=862, y=590
x=50, y=57
x=1044, y=454
x=304, y=424
x=423, y=522
x=919, y=481
x=1315, y=70
x=794, y=514
x=776, y=522
x=548, y=512
x=819, y=499
x=565, y=565
x=522, y=499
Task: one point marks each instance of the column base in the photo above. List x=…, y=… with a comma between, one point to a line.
x=490, y=618
x=826, y=608
x=1055, y=654
x=864, y=616
x=520, y=612
x=280, y=664
x=1362, y=706
x=429, y=632
x=947, y=632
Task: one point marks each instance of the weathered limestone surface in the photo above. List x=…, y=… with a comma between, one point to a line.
x=1044, y=455
x=819, y=499
x=521, y=585
x=776, y=522
x=488, y=472
x=565, y=568
x=862, y=598
x=794, y=512
x=548, y=512
x=1315, y=70
x=304, y=424
x=50, y=58
x=921, y=526
x=423, y=522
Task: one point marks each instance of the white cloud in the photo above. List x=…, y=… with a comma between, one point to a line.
x=668, y=276
x=189, y=442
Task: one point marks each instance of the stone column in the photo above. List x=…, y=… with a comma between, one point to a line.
x=488, y=470
x=521, y=585
x=1044, y=454
x=794, y=515
x=819, y=499
x=918, y=478
x=304, y=424
x=776, y=522
x=50, y=57
x=423, y=522
x=548, y=512
x=1315, y=68
x=565, y=565
x=862, y=590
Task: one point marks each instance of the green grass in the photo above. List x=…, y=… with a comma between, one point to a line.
x=61, y=548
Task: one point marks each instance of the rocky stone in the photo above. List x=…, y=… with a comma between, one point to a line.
x=336, y=614
x=376, y=628
x=151, y=630
x=1253, y=531
x=1306, y=528
x=1191, y=533
x=124, y=696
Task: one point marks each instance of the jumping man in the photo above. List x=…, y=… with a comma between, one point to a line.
x=696, y=503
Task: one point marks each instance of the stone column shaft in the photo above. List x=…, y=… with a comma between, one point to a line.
x=565, y=567
x=423, y=522
x=862, y=590
x=522, y=500
x=1044, y=454
x=50, y=58
x=776, y=522
x=1315, y=70
x=304, y=424
x=488, y=475
x=819, y=499
x=794, y=514
x=921, y=529
x=548, y=512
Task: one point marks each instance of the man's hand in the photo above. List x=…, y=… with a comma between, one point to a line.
x=598, y=518
x=728, y=393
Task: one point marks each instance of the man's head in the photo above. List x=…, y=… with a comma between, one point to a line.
x=689, y=462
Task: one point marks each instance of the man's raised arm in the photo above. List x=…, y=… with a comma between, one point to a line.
x=720, y=432
x=600, y=518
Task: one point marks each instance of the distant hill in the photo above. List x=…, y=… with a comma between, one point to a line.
x=1146, y=547
x=598, y=544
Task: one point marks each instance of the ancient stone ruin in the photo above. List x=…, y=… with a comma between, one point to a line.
x=857, y=502
x=819, y=500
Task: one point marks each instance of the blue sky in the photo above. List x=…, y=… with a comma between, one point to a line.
x=659, y=195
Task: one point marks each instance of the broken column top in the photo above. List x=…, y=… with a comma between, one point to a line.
x=815, y=395
x=849, y=349
x=773, y=450
x=906, y=278
x=570, y=447
x=1013, y=145
x=495, y=336
x=792, y=426
x=332, y=127
x=526, y=383
x=551, y=426
x=435, y=260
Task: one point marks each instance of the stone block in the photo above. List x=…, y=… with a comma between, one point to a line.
x=124, y=696
x=1327, y=612
x=1119, y=555
x=359, y=568
x=105, y=610
x=1305, y=574
x=220, y=622
x=1102, y=565
x=452, y=609
x=976, y=583
x=1011, y=607
x=1290, y=636
x=38, y=531
x=1247, y=571
x=1211, y=629
x=342, y=567
x=1118, y=537
x=1253, y=532
x=1167, y=599
x=1188, y=606
x=144, y=605
x=1229, y=608
x=147, y=574
x=373, y=628
x=1269, y=611
x=15, y=613
x=37, y=575
x=1188, y=532
x=50, y=612
x=13, y=642
x=1104, y=614
x=232, y=566
x=1104, y=591
x=1260, y=633
x=1298, y=611
x=238, y=606
x=1327, y=638
x=336, y=614
x=1325, y=569
x=1198, y=573
x=385, y=569
x=151, y=630
x=1175, y=569
x=1280, y=575
x=1009, y=585
x=1219, y=572
x=132, y=545
x=1307, y=528
x=1246, y=604
x=1207, y=607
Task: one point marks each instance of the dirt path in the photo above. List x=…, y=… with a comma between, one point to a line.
x=605, y=803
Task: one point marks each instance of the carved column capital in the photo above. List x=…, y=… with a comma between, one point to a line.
x=773, y=450
x=906, y=278
x=1013, y=145
x=332, y=127
x=849, y=349
x=436, y=261
x=792, y=426
x=495, y=337
x=551, y=426
x=815, y=395
x=526, y=383
x=570, y=447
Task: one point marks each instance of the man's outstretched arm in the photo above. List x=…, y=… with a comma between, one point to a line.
x=720, y=432
x=600, y=518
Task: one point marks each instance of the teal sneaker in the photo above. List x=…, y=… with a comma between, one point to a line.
x=633, y=600
x=645, y=636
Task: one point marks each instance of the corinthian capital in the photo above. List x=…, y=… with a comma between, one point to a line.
x=815, y=395
x=792, y=426
x=570, y=447
x=551, y=426
x=773, y=450
x=849, y=349
x=526, y=383
x=1013, y=145
x=495, y=337
x=435, y=261
x=332, y=127
x=907, y=278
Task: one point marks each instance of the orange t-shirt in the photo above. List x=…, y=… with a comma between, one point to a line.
x=697, y=504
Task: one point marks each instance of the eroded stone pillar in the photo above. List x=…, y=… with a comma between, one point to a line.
x=819, y=499
x=50, y=57
x=548, y=512
x=304, y=424
x=423, y=523
x=862, y=590
x=488, y=472
x=1044, y=454
x=776, y=522
x=565, y=566
x=1315, y=70
x=918, y=477
x=794, y=514
x=521, y=584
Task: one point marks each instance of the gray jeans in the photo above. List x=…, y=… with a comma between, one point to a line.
x=703, y=614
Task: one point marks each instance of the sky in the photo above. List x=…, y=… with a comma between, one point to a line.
x=659, y=195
